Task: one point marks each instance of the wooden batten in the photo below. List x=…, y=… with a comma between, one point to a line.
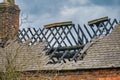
x=97, y=21
x=57, y=24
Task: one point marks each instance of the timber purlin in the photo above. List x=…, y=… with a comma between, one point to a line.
x=66, y=41
x=68, y=48
x=58, y=24
x=97, y=21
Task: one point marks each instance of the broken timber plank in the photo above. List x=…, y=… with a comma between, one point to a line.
x=57, y=24
x=97, y=21
x=67, y=48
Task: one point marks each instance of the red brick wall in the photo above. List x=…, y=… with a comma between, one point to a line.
x=98, y=74
x=102, y=74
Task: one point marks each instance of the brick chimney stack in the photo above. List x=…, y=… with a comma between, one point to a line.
x=9, y=20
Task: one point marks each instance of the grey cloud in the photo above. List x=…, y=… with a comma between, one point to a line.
x=106, y=2
x=48, y=11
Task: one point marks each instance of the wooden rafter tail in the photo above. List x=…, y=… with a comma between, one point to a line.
x=57, y=24
x=97, y=21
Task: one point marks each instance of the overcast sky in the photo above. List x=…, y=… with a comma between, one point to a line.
x=42, y=12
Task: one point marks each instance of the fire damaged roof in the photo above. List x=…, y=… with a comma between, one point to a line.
x=101, y=51
x=104, y=52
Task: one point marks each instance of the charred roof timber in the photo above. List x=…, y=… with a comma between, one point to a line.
x=58, y=24
x=66, y=41
x=97, y=21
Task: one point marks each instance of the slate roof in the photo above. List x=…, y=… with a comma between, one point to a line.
x=104, y=52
